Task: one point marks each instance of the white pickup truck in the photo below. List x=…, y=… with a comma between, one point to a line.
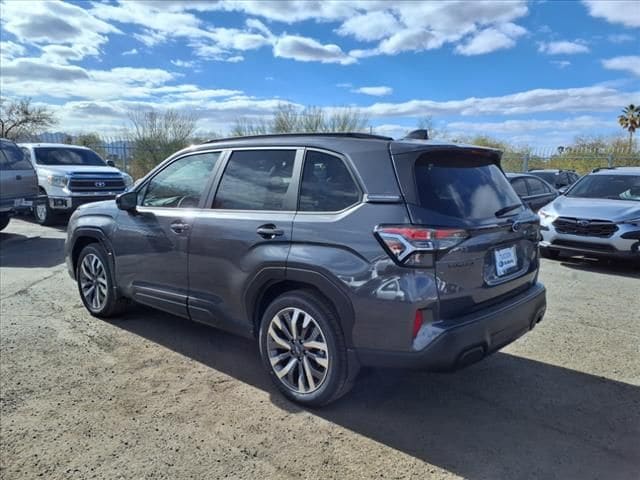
x=69, y=176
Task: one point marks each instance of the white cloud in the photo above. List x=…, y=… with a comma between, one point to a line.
x=561, y=63
x=629, y=63
x=563, y=48
x=380, y=91
x=369, y=26
x=306, y=49
x=183, y=63
x=625, y=12
x=492, y=39
x=55, y=22
x=10, y=50
x=585, y=122
x=621, y=38
x=133, y=51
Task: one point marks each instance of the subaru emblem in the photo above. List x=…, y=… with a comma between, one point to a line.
x=583, y=223
x=100, y=184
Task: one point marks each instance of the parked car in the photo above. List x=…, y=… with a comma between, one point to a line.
x=277, y=237
x=69, y=176
x=559, y=179
x=18, y=182
x=598, y=216
x=533, y=191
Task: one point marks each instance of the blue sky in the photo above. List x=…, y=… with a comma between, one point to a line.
x=536, y=72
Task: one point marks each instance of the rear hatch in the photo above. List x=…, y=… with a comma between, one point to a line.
x=449, y=187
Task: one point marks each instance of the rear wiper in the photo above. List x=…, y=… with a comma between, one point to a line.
x=507, y=209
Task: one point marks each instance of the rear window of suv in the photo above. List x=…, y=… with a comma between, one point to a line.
x=463, y=186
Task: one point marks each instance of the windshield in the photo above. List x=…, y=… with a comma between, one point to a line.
x=547, y=176
x=463, y=186
x=617, y=187
x=67, y=156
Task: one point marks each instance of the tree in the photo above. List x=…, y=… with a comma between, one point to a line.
x=156, y=135
x=19, y=119
x=427, y=123
x=630, y=121
x=93, y=141
x=288, y=118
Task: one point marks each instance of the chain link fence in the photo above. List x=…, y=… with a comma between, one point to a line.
x=582, y=160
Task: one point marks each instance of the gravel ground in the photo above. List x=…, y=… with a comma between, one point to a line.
x=151, y=396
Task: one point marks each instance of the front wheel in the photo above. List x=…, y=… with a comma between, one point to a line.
x=95, y=283
x=303, y=349
x=42, y=212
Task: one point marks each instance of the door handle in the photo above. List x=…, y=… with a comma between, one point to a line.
x=18, y=177
x=180, y=227
x=269, y=231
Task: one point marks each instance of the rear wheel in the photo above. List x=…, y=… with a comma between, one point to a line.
x=303, y=349
x=95, y=283
x=4, y=220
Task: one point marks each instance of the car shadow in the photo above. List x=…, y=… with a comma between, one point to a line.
x=601, y=265
x=506, y=417
x=20, y=251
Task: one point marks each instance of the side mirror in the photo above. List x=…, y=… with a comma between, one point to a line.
x=127, y=201
x=111, y=163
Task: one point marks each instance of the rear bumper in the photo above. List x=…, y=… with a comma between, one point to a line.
x=455, y=343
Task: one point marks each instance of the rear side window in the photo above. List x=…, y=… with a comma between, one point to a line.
x=520, y=187
x=326, y=184
x=256, y=180
x=462, y=186
x=13, y=158
x=536, y=187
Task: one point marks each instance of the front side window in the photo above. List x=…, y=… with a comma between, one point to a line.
x=13, y=158
x=181, y=184
x=326, y=184
x=520, y=187
x=256, y=180
x=67, y=156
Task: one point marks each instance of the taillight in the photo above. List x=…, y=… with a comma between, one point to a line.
x=405, y=243
x=417, y=323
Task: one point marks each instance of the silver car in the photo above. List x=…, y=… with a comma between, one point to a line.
x=598, y=216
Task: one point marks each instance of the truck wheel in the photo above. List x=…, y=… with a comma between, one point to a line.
x=4, y=220
x=303, y=349
x=42, y=212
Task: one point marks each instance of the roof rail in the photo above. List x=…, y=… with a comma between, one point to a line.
x=303, y=134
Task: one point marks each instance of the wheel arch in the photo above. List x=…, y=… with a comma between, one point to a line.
x=86, y=236
x=267, y=286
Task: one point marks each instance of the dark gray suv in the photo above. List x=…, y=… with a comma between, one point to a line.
x=334, y=250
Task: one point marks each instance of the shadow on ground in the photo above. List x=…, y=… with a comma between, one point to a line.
x=20, y=251
x=507, y=417
x=610, y=267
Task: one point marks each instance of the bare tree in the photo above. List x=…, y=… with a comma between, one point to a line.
x=19, y=119
x=156, y=135
x=428, y=123
x=289, y=119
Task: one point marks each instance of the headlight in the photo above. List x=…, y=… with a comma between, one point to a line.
x=546, y=217
x=128, y=179
x=58, y=180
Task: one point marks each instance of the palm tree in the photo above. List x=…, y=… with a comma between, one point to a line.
x=630, y=121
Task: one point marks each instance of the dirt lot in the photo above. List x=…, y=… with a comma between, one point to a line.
x=152, y=396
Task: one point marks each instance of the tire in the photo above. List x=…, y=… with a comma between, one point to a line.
x=550, y=253
x=307, y=381
x=4, y=220
x=94, y=270
x=42, y=212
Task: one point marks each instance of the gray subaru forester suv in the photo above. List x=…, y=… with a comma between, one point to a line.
x=335, y=250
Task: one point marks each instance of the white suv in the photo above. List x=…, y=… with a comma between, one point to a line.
x=598, y=216
x=69, y=176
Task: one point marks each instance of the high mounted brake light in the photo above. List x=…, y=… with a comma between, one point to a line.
x=405, y=242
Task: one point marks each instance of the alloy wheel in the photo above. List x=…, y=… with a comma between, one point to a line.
x=297, y=350
x=93, y=281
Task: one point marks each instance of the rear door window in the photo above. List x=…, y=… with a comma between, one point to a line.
x=327, y=185
x=536, y=187
x=463, y=186
x=256, y=180
x=520, y=187
x=13, y=158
